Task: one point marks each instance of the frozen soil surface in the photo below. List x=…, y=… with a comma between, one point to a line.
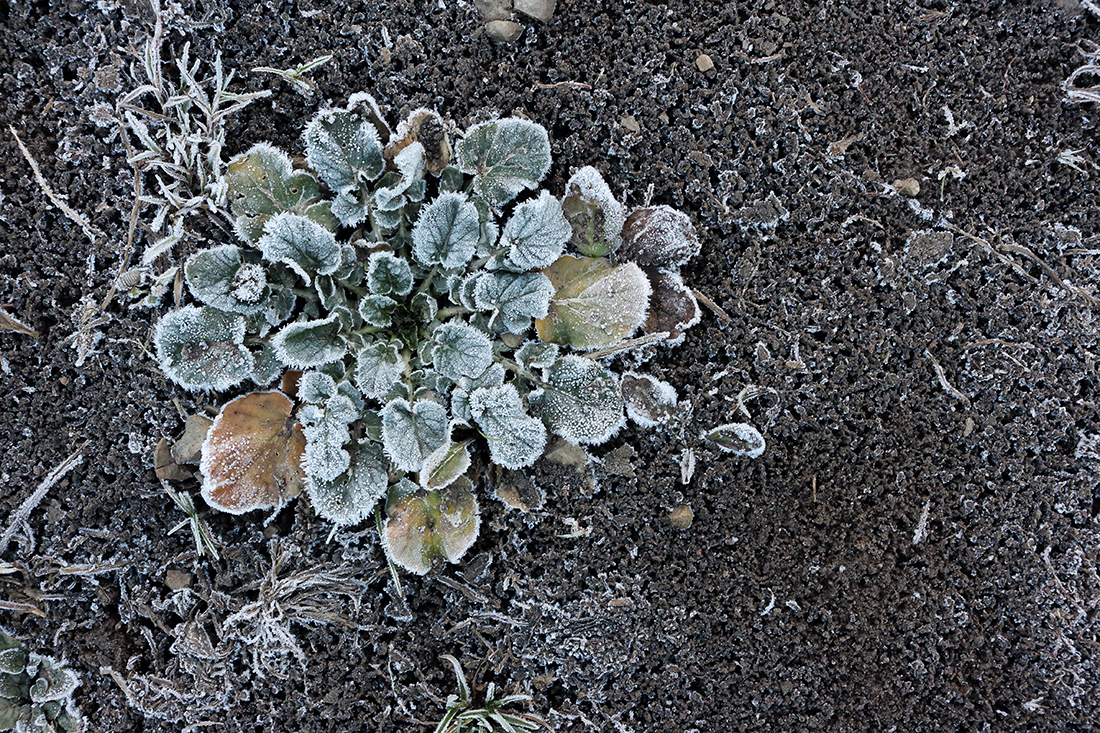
x=917, y=548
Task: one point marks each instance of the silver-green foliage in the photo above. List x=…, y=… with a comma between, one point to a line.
x=404, y=285
x=36, y=692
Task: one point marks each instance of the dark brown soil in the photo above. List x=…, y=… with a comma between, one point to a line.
x=911, y=553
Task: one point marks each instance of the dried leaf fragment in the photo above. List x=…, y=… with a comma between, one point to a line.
x=188, y=449
x=252, y=456
x=165, y=467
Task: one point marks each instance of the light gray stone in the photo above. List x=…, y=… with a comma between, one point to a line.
x=494, y=9
x=504, y=31
x=542, y=10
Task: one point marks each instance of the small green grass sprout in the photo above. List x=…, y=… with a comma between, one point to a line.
x=462, y=717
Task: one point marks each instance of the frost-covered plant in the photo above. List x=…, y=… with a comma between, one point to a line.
x=421, y=300
x=35, y=692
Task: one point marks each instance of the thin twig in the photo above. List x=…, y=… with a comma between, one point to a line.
x=1020, y=249
x=124, y=261
x=713, y=306
x=627, y=345
x=22, y=608
x=20, y=515
x=11, y=323
x=91, y=232
x=942, y=375
x=568, y=84
x=999, y=255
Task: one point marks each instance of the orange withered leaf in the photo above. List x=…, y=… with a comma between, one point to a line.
x=252, y=455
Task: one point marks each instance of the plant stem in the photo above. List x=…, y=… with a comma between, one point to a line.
x=305, y=293
x=452, y=311
x=427, y=280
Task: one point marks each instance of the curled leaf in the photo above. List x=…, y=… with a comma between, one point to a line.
x=595, y=217
x=252, y=455
x=445, y=465
x=659, y=236
x=739, y=438
x=305, y=344
x=427, y=128
x=672, y=306
x=302, y=244
x=649, y=401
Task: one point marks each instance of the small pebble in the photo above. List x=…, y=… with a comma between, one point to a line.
x=630, y=123
x=703, y=63
x=681, y=517
x=177, y=579
x=908, y=187
x=504, y=31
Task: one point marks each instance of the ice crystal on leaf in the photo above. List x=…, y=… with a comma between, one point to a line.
x=342, y=145
x=394, y=283
x=515, y=438
x=411, y=433
x=424, y=527
x=326, y=431
x=536, y=234
x=461, y=351
x=504, y=157
x=445, y=466
x=263, y=184
x=305, y=344
x=596, y=304
x=580, y=400
x=673, y=307
x=379, y=368
x=387, y=273
x=302, y=244
x=513, y=300
x=350, y=497
x=446, y=232
x=203, y=348
x=228, y=279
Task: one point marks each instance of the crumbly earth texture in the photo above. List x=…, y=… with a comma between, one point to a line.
x=915, y=550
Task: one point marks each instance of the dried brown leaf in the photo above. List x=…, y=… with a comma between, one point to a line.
x=252, y=457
